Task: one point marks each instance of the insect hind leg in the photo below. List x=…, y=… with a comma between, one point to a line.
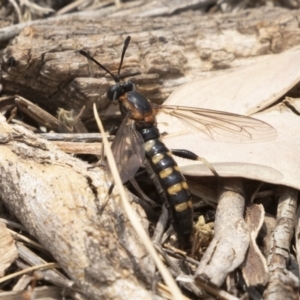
x=183, y=153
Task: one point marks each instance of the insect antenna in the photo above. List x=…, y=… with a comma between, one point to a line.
x=115, y=78
x=126, y=43
x=84, y=53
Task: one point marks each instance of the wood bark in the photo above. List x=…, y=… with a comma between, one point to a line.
x=283, y=283
x=43, y=64
x=227, y=250
x=59, y=202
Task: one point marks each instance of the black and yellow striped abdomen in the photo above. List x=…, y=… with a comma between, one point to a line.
x=171, y=181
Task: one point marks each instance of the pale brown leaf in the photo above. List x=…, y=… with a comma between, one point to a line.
x=275, y=160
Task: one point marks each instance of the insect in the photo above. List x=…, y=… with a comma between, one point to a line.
x=138, y=143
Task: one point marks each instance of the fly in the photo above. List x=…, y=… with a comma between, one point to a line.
x=137, y=142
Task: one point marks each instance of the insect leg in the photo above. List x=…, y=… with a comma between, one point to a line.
x=192, y=156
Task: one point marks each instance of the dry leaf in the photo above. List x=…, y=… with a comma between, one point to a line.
x=277, y=160
x=245, y=90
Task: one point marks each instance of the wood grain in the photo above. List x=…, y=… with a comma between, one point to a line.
x=59, y=202
x=43, y=64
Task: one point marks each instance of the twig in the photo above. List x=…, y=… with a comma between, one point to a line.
x=79, y=148
x=74, y=137
x=228, y=248
x=25, y=239
x=53, y=276
x=16, y=274
x=36, y=8
x=17, y=9
x=40, y=115
x=160, y=226
x=283, y=283
x=220, y=294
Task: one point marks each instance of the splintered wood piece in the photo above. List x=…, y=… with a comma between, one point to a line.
x=22, y=283
x=160, y=226
x=33, y=259
x=40, y=115
x=283, y=283
x=58, y=199
x=266, y=232
x=6, y=102
x=44, y=292
x=228, y=248
x=8, y=250
x=79, y=148
x=218, y=293
x=254, y=268
x=74, y=137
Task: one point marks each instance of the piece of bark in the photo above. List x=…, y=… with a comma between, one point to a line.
x=8, y=250
x=254, y=268
x=164, y=53
x=79, y=148
x=228, y=248
x=22, y=283
x=74, y=137
x=53, y=276
x=40, y=293
x=212, y=290
x=7, y=103
x=283, y=283
x=41, y=116
x=266, y=233
x=59, y=202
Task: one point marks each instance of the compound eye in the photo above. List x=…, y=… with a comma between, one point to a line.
x=114, y=92
x=132, y=85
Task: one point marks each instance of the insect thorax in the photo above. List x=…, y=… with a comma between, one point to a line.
x=119, y=89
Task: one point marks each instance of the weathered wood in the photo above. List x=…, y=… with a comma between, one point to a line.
x=283, y=283
x=227, y=250
x=254, y=267
x=40, y=293
x=86, y=9
x=59, y=201
x=8, y=249
x=74, y=137
x=32, y=259
x=43, y=65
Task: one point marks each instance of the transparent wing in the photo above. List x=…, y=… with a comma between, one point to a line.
x=221, y=126
x=128, y=151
